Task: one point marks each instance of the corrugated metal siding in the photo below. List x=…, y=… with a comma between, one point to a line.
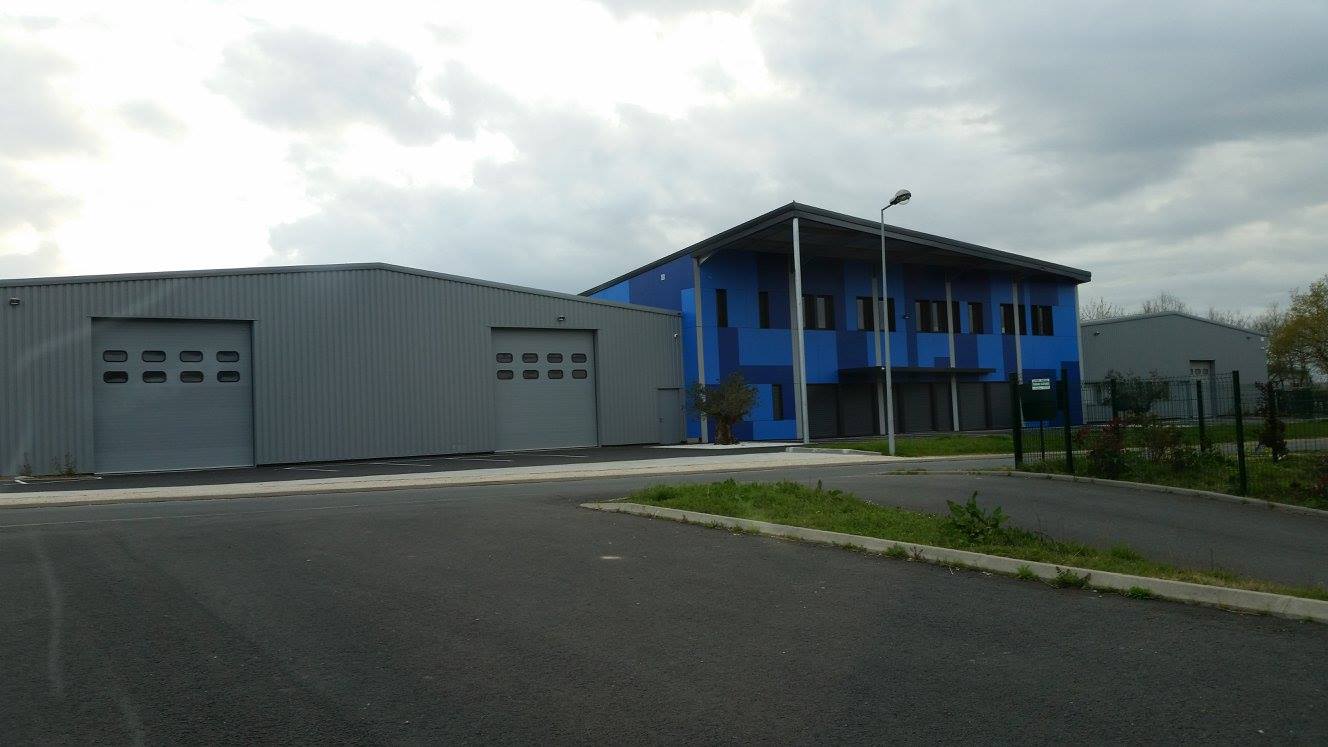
x=347, y=364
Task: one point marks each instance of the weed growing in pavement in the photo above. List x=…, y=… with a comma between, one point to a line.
x=1068, y=579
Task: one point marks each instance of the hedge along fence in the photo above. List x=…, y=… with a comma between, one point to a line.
x=1212, y=432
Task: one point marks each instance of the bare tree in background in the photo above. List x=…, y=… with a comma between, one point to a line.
x=1164, y=301
x=1100, y=308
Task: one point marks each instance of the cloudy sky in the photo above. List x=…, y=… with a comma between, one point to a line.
x=1177, y=146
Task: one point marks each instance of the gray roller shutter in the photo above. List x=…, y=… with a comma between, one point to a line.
x=171, y=395
x=972, y=405
x=823, y=410
x=857, y=409
x=544, y=389
x=915, y=402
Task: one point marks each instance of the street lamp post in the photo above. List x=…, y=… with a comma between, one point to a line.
x=901, y=197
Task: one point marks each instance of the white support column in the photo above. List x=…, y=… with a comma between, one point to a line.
x=1018, y=315
x=796, y=350
x=879, y=319
x=802, y=342
x=1079, y=340
x=700, y=340
x=954, y=382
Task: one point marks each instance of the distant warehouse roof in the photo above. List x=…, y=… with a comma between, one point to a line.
x=827, y=233
x=1164, y=314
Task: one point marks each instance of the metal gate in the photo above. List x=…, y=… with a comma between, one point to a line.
x=171, y=395
x=544, y=389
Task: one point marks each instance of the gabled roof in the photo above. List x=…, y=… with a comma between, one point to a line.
x=847, y=234
x=1159, y=314
x=226, y=272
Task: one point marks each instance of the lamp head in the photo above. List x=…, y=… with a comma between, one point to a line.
x=901, y=197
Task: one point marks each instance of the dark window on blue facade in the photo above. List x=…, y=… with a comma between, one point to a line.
x=721, y=307
x=1007, y=319
x=866, y=313
x=763, y=308
x=977, y=324
x=890, y=314
x=777, y=401
x=1042, y=320
x=926, y=321
x=818, y=312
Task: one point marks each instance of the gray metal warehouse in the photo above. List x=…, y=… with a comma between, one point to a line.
x=225, y=368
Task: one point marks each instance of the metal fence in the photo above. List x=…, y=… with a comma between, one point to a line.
x=1212, y=431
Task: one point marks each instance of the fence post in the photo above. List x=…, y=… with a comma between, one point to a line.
x=1016, y=422
x=1240, y=433
x=1115, y=409
x=1065, y=421
x=1198, y=398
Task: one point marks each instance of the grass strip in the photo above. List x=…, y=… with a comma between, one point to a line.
x=1217, y=434
x=837, y=511
x=1293, y=479
x=917, y=446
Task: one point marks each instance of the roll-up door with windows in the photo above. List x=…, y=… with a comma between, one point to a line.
x=544, y=389
x=171, y=395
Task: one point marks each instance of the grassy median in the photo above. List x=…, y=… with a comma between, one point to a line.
x=1294, y=479
x=832, y=510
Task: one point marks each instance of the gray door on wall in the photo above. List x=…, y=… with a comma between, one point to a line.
x=669, y=412
x=171, y=395
x=544, y=388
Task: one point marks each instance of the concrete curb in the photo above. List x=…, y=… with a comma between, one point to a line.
x=470, y=478
x=1149, y=487
x=937, y=458
x=1294, y=608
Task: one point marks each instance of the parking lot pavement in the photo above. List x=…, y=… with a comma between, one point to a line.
x=505, y=613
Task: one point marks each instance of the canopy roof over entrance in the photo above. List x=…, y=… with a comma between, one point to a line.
x=825, y=233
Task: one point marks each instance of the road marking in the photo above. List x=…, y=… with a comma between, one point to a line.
x=402, y=464
x=474, y=459
x=564, y=456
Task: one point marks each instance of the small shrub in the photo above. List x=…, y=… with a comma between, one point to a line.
x=1133, y=394
x=897, y=551
x=1105, y=447
x=1138, y=592
x=26, y=467
x=1318, y=491
x=1026, y=573
x=68, y=469
x=1068, y=579
x=975, y=524
x=726, y=403
x=1273, y=433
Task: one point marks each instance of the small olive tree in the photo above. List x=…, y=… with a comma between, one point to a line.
x=726, y=403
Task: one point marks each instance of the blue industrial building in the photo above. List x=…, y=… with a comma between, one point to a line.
x=950, y=311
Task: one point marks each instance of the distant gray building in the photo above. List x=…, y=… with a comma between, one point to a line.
x=1170, y=345
x=226, y=368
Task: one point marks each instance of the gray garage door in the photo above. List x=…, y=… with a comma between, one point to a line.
x=544, y=388
x=171, y=395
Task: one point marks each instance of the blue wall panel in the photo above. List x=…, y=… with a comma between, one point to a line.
x=764, y=356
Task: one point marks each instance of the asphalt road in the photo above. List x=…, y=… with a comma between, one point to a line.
x=506, y=613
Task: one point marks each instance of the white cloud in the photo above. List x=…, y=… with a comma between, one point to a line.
x=559, y=143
